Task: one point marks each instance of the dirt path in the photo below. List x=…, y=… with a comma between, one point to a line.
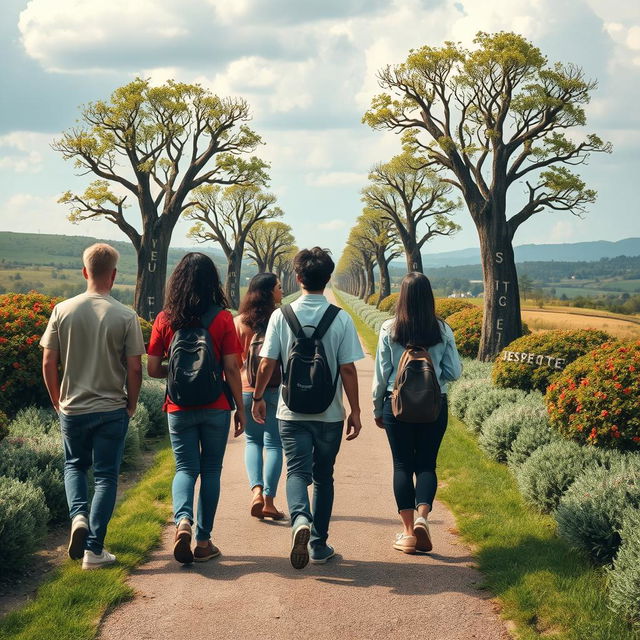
x=368, y=591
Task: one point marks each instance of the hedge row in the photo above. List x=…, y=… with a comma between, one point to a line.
x=32, y=491
x=594, y=494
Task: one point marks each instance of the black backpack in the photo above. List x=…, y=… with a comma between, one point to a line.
x=307, y=384
x=194, y=375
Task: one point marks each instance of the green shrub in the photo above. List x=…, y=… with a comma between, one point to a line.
x=595, y=399
x=467, y=327
x=34, y=421
x=484, y=404
x=591, y=512
x=23, y=519
x=463, y=393
x=533, y=434
x=504, y=425
x=473, y=369
x=373, y=299
x=4, y=425
x=389, y=303
x=446, y=307
x=551, y=349
x=624, y=578
x=38, y=460
x=550, y=471
x=146, y=327
x=132, y=448
x=152, y=395
x=141, y=421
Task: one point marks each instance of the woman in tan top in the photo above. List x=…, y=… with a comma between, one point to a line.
x=263, y=451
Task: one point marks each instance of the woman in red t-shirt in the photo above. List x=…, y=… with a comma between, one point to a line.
x=198, y=433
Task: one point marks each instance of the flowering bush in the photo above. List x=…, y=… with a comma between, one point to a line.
x=389, y=303
x=446, y=307
x=596, y=399
x=546, y=355
x=373, y=299
x=146, y=327
x=467, y=326
x=23, y=319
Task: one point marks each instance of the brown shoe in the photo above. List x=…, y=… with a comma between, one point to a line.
x=182, y=545
x=202, y=554
x=257, y=505
x=422, y=534
x=274, y=515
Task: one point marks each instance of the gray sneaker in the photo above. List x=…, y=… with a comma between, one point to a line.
x=78, y=537
x=97, y=560
x=299, y=555
x=321, y=555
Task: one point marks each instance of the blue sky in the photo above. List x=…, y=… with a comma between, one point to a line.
x=308, y=72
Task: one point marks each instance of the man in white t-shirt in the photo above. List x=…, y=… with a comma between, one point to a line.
x=311, y=441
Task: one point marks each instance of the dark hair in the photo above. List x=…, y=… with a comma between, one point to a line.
x=314, y=268
x=258, y=303
x=416, y=323
x=193, y=287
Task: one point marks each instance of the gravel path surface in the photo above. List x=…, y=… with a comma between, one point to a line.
x=367, y=591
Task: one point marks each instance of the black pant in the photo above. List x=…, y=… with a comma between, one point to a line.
x=414, y=448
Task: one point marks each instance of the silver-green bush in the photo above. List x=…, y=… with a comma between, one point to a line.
x=484, y=404
x=475, y=369
x=23, y=519
x=152, y=395
x=590, y=514
x=132, y=449
x=33, y=421
x=624, y=578
x=141, y=421
x=463, y=393
x=533, y=435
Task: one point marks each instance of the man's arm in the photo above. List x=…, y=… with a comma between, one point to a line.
x=232, y=375
x=265, y=370
x=50, y=359
x=134, y=382
x=349, y=377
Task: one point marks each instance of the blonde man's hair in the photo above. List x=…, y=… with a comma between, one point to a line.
x=100, y=259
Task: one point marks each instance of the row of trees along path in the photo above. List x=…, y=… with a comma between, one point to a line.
x=174, y=149
x=481, y=121
x=368, y=591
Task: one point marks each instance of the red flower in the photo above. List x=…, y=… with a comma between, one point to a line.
x=604, y=413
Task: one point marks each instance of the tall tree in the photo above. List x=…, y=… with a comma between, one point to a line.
x=268, y=241
x=350, y=272
x=226, y=216
x=156, y=145
x=414, y=199
x=366, y=258
x=380, y=233
x=490, y=118
x=284, y=269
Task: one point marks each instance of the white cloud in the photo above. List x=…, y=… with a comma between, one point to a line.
x=333, y=225
x=22, y=151
x=336, y=178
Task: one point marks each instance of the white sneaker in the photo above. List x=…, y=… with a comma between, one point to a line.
x=96, y=561
x=78, y=537
x=422, y=534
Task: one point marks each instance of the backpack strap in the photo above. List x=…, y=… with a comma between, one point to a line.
x=325, y=322
x=210, y=315
x=292, y=321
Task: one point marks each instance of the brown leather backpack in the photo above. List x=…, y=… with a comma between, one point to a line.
x=253, y=361
x=416, y=395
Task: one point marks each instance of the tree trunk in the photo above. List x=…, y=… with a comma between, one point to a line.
x=413, y=255
x=370, y=286
x=362, y=284
x=502, y=322
x=232, y=284
x=152, y=271
x=385, y=281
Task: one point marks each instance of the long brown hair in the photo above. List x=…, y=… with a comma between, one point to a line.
x=416, y=323
x=258, y=303
x=193, y=287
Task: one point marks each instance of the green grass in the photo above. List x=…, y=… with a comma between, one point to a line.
x=544, y=587
x=71, y=604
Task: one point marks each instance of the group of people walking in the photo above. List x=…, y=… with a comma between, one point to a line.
x=277, y=373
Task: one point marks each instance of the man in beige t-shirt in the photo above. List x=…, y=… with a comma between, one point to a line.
x=97, y=342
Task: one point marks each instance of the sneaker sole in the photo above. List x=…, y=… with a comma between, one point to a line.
x=77, y=543
x=97, y=565
x=423, y=540
x=182, y=549
x=407, y=550
x=322, y=560
x=207, y=558
x=299, y=555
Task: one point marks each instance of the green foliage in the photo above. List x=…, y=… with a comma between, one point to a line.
x=550, y=470
x=446, y=307
x=559, y=344
x=23, y=319
x=146, y=327
x=534, y=433
x=34, y=422
x=132, y=448
x=463, y=393
x=141, y=421
x=505, y=424
x=152, y=394
x=590, y=514
x=4, y=425
x=595, y=399
x=484, y=404
x=467, y=327
x=23, y=518
x=624, y=579
x=389, y=303
x=473, y=369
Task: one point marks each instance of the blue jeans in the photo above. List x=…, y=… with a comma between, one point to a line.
x=261, y=437
x=311, y=448
x=98, y=439
x=199, y=439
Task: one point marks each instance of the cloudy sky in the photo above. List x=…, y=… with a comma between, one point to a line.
x=308, y=72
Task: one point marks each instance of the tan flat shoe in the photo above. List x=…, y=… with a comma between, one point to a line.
x=274, y=515
x=406, y=544
x=256, y=507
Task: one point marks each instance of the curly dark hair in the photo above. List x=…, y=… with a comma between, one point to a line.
x=258, y=303
x=193, y=287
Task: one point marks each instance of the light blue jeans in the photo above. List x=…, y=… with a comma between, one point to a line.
x=199, y=439
x=263, y=438
x=93, y=440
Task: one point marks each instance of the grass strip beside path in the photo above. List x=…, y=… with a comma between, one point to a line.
x=546, y=588
x=71, y=605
